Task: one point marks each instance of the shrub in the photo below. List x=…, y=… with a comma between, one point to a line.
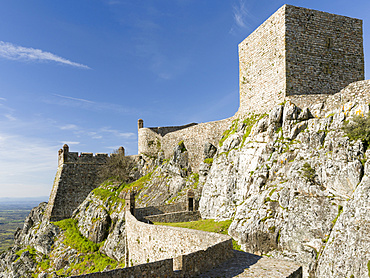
x=308, y=172
x=208, y=160
x=118, y=166
x=358, y=128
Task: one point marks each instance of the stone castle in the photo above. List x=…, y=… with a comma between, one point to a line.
x=297, y=54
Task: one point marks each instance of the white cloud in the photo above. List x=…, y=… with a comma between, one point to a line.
x=117, y=133
x=15, y=52
x=74, y=98
x=241, y=14
x=27, y=166
x=1, y=98
x=70, y=142
x=10, y=117
x=69, y=127
x=89, y=104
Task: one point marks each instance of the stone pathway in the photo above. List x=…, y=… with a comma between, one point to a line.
x=252, y=266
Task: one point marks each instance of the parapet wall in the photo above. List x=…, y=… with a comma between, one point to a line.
x=194, y=137
x=157, y=269
x=177, y=212
x=192, y=250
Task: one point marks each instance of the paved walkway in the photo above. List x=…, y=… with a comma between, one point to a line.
x=252, y=266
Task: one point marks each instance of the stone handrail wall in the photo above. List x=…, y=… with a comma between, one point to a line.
x=159, y=269
x=193, y=251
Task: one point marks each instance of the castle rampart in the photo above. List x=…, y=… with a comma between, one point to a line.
x=76, y=177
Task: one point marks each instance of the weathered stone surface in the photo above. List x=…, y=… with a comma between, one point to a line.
x=209, y=150
x=346, y=253
x=282, y=187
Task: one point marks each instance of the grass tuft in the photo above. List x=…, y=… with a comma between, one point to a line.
x=208, y=225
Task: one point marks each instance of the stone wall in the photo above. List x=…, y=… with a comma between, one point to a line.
x=174, y=217
x=141, y=213
x=262, y=65
x=148, y=243
x=159, y=269
x=76, y=177
x=324, y=52
x=298, y=51
x=194, y=137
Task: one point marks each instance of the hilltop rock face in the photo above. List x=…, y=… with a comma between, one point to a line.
x=347, y=251
x=284, y=179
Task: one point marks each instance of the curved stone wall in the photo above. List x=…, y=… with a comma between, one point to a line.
x=193, y=251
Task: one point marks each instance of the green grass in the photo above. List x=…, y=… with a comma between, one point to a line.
x=73, y=237
x=228, y=132
x=92, y=261
x=359, y=128
x=340, y=210
x=208, y=160
x=195, y=179
x=106, y=190
x=308, y=172
x=208, y=225
x=137, y=185
x=250, y=122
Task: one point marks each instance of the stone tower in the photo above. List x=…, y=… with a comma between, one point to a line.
x=301, y=54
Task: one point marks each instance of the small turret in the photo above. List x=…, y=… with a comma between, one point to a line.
x=63, y=154
x=140, y=123
x=130, y=202
x=121, y=151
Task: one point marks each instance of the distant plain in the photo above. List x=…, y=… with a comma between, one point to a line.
x=13, y=212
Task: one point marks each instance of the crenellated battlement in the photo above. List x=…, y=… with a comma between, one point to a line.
x=67, y=157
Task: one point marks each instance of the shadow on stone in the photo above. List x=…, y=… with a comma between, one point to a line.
x=234, y=266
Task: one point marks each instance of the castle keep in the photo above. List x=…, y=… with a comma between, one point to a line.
x=297, y=53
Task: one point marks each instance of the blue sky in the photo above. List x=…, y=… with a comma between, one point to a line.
x=83, y=73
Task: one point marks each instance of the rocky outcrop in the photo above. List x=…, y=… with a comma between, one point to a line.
x=284, y=179
x=347, y=251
